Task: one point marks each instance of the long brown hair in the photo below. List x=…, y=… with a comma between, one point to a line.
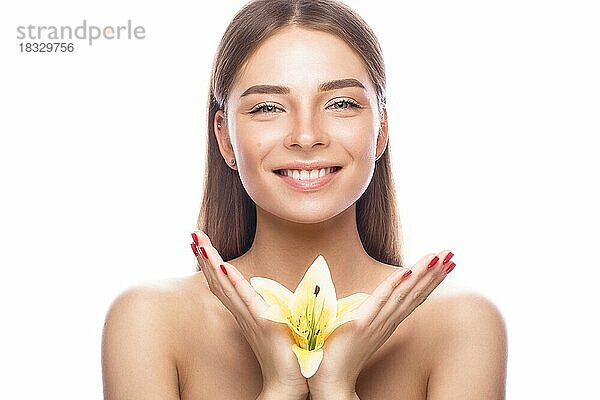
x=227, y=213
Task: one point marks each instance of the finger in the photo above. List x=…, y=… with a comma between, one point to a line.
x=382, y=292
x=249, y=296
x=200, y=254
x=409, y=295
x=211, y=270
x=373, y=304
x=201, y=259
x=419, y=294
x=212, y=261
x=230, y=284
x=440, y=271
x=195, y=250
x=434, y=277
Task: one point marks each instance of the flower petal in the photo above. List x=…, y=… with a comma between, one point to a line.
x=309, y=360
x=275, y=314
x=350, y=304
x=273, y=292
x=301, y=341
x=304, y=296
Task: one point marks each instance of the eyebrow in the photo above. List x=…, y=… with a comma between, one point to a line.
x=323, y=87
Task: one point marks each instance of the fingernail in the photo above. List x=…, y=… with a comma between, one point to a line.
x=447, y=258
x=407, y=273
x=195, y=237
x=223, y=269
x=203, y=252
x=450, y=267
x=194, y=249
x=433, y=262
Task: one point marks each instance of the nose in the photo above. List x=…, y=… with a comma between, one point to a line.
x=306, y=132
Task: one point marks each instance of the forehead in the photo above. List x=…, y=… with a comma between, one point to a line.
x=301, y=59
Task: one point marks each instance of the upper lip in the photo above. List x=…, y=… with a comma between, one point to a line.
x=308, y=165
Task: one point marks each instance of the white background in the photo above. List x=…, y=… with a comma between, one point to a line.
x=494, y=115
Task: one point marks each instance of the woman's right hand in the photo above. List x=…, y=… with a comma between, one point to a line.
x=271, y=342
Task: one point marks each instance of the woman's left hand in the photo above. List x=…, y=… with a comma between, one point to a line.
x=351, y=345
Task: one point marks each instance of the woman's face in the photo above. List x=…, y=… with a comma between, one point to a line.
x=301, y=121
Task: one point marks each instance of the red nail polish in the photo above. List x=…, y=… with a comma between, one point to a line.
x=433, y=262
x=204, y=252
x=407, y=273
x=194, y=249
x=447, y=258
x=223, y=269
x=450, y=267
x=195, y=237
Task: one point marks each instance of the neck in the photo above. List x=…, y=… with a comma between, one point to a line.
x=283, y=250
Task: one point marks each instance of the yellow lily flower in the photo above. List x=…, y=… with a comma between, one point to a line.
x=312, y=312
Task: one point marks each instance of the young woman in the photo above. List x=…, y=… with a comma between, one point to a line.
x=298, y=166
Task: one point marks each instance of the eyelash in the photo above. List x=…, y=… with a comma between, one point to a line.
x=350, y=103
x=346, y=101
x=258, y=107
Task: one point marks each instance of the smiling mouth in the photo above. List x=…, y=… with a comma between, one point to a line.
x=304, y=175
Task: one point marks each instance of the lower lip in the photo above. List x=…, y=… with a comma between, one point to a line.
x=310, y=184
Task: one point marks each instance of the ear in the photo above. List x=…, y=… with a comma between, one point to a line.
x=223, y=139
x=382, y=137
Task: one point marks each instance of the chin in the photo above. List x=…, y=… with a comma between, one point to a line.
x=309, y=212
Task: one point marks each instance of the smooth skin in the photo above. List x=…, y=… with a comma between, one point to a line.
x=346, y=351
x=198, y=337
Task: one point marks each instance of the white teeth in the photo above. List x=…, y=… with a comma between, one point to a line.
x=304, y=175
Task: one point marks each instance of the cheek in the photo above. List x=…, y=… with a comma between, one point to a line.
x=250, y=154
x=356, y=136
x=253, y=143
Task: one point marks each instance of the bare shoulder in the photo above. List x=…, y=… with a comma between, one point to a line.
x=154, y=299
x=164, y=305
x=460, y=310
x=140, y=330
x=469, y=340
